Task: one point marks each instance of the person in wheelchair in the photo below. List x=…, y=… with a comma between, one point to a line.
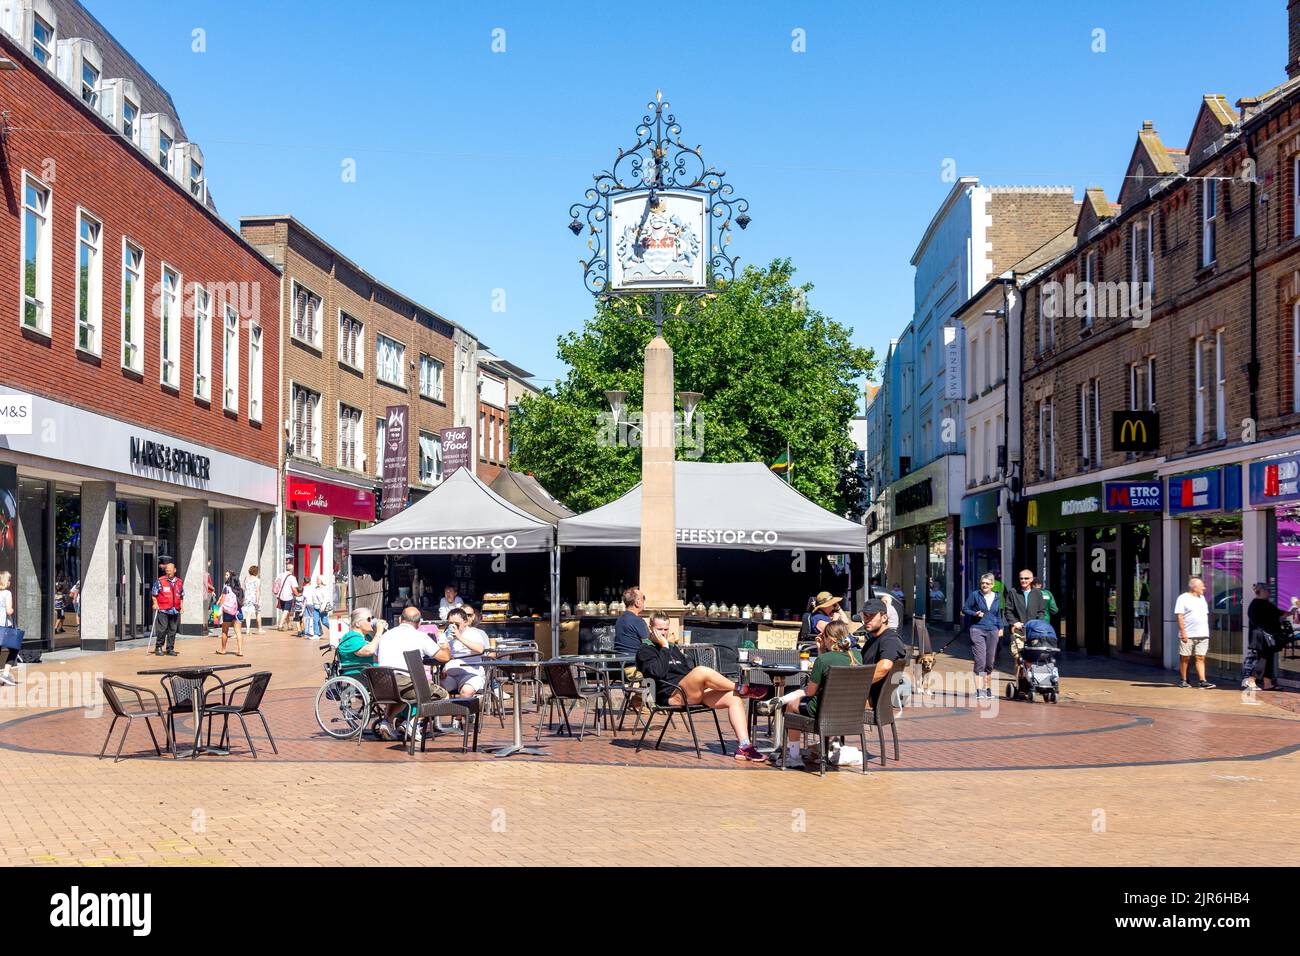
x=678, y=683
x=360, y=645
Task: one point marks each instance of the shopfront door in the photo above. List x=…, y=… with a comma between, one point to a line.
x=1216, y=557
x=1101, y=591
x=137, y=567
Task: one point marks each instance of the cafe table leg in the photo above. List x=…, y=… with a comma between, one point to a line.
x=517, y=747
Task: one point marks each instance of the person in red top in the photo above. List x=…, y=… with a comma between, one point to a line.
x=168, y=595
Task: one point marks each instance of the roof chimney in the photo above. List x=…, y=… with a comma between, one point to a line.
x=1293, y=39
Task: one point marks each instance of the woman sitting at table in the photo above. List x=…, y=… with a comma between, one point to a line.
x=666, y=665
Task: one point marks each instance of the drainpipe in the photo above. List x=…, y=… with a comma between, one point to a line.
x=1252, y=367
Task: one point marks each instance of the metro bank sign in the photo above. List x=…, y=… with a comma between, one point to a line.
x=1275, y=480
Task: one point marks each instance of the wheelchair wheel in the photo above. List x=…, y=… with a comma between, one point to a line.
x=342, y=707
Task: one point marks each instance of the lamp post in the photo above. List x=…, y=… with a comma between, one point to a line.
x=658, y=223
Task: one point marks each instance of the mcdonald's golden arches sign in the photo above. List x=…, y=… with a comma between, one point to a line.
x=1135, y=431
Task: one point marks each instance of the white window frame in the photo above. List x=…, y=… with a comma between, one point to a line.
x=44, y=51
x=1151, y=256
x=1047, y=438
x=431, y=384
x=1220, y=388
x=1090, y=298
x=255, y=344
x=482, y=428
x=976, y=367
x=1209, y=221
x=90, y=326
x=1142, y=373
x=230, y=358
x=397, y=360
x=43, y=257
x=195, y=179
x=131, y=120
x=434, y=460
x=89, y=90
x=132, y=299
x=202, y=342
x=354, y=357
x=305, y=432
x=349, y=419
x=1085, y=427
x=169, y=326
x=381, y=432
x=165, y=147
x=1295, y=357
x=299, y=323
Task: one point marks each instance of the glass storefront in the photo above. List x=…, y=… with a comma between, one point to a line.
x=35, y=601
x=1215, y=555
x=1284, y=560
x=1138, y=635
x=342, y=528
x=939, y=551
x=67, y=567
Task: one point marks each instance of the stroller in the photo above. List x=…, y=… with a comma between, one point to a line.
x=1036, y=671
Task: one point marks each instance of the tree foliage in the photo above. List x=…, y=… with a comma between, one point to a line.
x=771, y=371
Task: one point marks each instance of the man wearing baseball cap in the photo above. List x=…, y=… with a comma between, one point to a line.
x=884, y=649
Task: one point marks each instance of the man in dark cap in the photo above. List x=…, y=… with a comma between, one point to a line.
x=884, y=649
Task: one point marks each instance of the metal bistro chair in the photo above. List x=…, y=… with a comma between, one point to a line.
x=686, y=711
x=841, y=700
x=181, y=694
x=253, y=687
x=565, y=694
x=496, y=688
x=381, y=683
x=884, y=713
x=426, y=707
x=141, y=710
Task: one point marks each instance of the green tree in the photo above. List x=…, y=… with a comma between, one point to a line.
x=770, y=369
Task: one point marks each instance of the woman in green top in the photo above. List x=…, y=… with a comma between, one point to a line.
x=359, y=646
x=836, y=648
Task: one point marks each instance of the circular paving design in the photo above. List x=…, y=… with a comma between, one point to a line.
x=935, y=736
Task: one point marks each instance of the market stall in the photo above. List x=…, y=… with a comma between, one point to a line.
x=500, y=556
x=745, y=538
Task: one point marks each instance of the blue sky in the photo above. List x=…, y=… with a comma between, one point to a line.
x=467, y=160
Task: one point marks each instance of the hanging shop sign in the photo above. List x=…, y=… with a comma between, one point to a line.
x=396, y=460
x=457, y=449
x=659, y=240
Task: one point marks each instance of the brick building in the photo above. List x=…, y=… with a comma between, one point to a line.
x=1192, y=325
x=501, y=384
x=354, y=348
x=139, y=378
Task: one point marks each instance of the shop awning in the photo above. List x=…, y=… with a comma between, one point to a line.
x=460, y=516
x=526, y=492
x=721, y=505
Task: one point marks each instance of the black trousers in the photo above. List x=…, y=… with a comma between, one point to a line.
x=164, y=627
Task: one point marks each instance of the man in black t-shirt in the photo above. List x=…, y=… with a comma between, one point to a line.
x=884, y=649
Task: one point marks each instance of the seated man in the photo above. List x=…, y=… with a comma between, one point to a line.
x=662, y=661
x=464, y=644
x=393, y=645
x=884, y=650
x=835, y=649
x=359, y=645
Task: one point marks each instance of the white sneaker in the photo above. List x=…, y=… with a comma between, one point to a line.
x=8, y=681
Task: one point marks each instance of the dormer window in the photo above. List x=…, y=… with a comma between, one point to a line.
x=130, y=118
x=42, y=41
x=196, y=180
x=90, y=84
x=165, y=151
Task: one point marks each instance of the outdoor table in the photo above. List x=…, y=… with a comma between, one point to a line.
x=515, y=670
x=199, y=672
x=604, y=665
x=779, y=673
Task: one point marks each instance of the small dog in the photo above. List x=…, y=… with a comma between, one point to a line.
x=927, y=667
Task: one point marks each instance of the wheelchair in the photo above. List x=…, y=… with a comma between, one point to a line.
x=344, y=708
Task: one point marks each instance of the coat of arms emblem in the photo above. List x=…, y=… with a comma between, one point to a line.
x=660, y=247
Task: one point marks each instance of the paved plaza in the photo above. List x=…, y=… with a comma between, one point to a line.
x=1126, y=770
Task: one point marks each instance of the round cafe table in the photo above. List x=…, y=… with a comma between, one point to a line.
x=605, y=667
x=779, y=673
x=515, y=671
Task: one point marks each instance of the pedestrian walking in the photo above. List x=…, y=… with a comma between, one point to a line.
x=286, y=589
x=7, y=621
x=1193, y=615
x=983, y=609
x=168, y=596
x=317, y=602
x=253, y=601
x=1263, y=640
x=232, y=613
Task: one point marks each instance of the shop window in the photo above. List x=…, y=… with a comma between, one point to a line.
x=67, y=568
x=1295, y=357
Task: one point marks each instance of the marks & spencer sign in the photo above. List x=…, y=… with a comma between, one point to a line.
x=173, y=462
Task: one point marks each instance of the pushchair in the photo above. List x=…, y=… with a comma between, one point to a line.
x=1036, y=671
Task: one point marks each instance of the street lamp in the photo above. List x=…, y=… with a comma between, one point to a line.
x=689, y=402
x=617, y=402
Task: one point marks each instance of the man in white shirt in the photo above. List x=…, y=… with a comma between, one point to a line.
x=393, y=646
x=286, y=589
x=450, y=599
x=1193, y=615
x=463, y=676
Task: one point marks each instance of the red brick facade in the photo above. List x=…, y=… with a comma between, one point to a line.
x=57, y=139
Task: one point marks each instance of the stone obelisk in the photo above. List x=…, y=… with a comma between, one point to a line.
x=658, y=505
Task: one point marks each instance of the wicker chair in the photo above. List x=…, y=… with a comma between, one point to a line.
x=883, y=713
x=565, y=694
x=381, y=683
x=840, y=702
x=181, y=694
x=426, y=707
x=686, y=711
x=140, y=710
